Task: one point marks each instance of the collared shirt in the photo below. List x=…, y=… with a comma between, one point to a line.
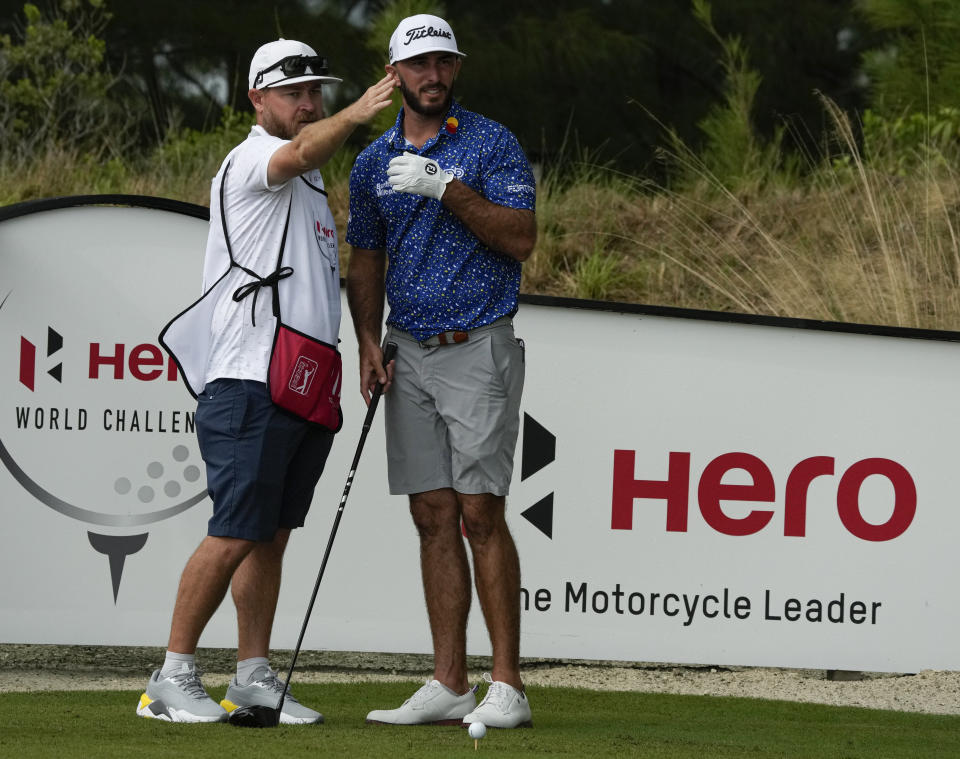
x=440, y=276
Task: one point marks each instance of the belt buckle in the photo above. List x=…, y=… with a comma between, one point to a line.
x=451, y=338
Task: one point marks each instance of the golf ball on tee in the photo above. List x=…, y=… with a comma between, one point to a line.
x=477, y=730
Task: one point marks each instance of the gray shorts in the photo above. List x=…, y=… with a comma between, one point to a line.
x=452, y=414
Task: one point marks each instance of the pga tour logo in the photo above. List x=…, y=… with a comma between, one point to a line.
x=303, y=375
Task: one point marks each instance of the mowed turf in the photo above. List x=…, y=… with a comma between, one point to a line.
x=567, y=722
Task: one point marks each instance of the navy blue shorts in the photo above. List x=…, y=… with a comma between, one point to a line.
x=263, y=463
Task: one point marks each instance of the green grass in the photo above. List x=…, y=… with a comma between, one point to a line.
x=568, y=722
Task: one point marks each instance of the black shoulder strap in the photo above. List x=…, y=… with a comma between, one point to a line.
x=272, y=279
x=313, y=186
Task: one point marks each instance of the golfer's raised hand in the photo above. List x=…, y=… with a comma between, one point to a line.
x=371, y=102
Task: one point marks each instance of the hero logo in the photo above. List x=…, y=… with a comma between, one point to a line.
x=712, y=491
x=539, y=450
x=28, y=359
x=145, y=361
x=327, y=242
x=325, y=233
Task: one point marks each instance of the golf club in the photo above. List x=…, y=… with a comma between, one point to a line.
x=265, y=716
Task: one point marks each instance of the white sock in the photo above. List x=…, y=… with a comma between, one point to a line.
x=173, y=663
x=247, y=667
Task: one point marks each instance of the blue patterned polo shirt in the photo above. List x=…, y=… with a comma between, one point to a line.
x=439, y=275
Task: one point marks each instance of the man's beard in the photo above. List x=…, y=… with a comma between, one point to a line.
x=413, y=102
x=280, y=129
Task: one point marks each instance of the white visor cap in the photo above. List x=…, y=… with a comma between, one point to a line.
x=420, y=34
x=265, y=70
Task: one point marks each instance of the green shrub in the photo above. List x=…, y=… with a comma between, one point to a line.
x=899, y=144
x=55, y=86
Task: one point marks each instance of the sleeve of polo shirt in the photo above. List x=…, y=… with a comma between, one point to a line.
x=507, y=175
x=252, y=160
x=364, y=224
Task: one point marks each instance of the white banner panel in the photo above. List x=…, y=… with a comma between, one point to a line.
x=687, y=489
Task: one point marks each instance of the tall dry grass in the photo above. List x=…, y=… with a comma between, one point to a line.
x=845, y=241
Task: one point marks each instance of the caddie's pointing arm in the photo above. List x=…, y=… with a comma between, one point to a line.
x=316, y=143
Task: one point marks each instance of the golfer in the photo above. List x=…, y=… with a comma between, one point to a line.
x=441, y=217
x=263, y=463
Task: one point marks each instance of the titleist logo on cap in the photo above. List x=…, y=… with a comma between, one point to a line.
x=419, y=32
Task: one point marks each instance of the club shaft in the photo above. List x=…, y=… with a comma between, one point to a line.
x=388, y=354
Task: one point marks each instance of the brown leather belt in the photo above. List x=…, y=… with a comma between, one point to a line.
x=454, y=337
x=446, y=338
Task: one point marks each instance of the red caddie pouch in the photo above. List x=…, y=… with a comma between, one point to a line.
x=305, y=377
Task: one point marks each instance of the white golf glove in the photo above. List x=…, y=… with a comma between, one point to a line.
x=417, y=175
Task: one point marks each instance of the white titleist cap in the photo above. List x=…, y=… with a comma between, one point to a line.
x=420, y=34
x=287, y=62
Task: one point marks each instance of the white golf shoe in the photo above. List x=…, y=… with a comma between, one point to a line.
x=503, y=706
x=433, y=704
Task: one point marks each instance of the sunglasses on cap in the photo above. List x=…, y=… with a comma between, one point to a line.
x=296, y=65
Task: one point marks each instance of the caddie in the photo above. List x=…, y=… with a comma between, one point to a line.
x=267, y=204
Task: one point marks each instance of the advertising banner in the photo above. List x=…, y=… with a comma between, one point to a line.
x=690, y=487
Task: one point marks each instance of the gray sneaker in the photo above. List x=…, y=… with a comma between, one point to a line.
x=503, y=706
x=179, y=698
x=433, y=704
x=264, y=689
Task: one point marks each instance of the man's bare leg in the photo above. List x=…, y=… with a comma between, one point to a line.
x=446, y=582
x=203, y=585
x=255, y=590
x=496, y=566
